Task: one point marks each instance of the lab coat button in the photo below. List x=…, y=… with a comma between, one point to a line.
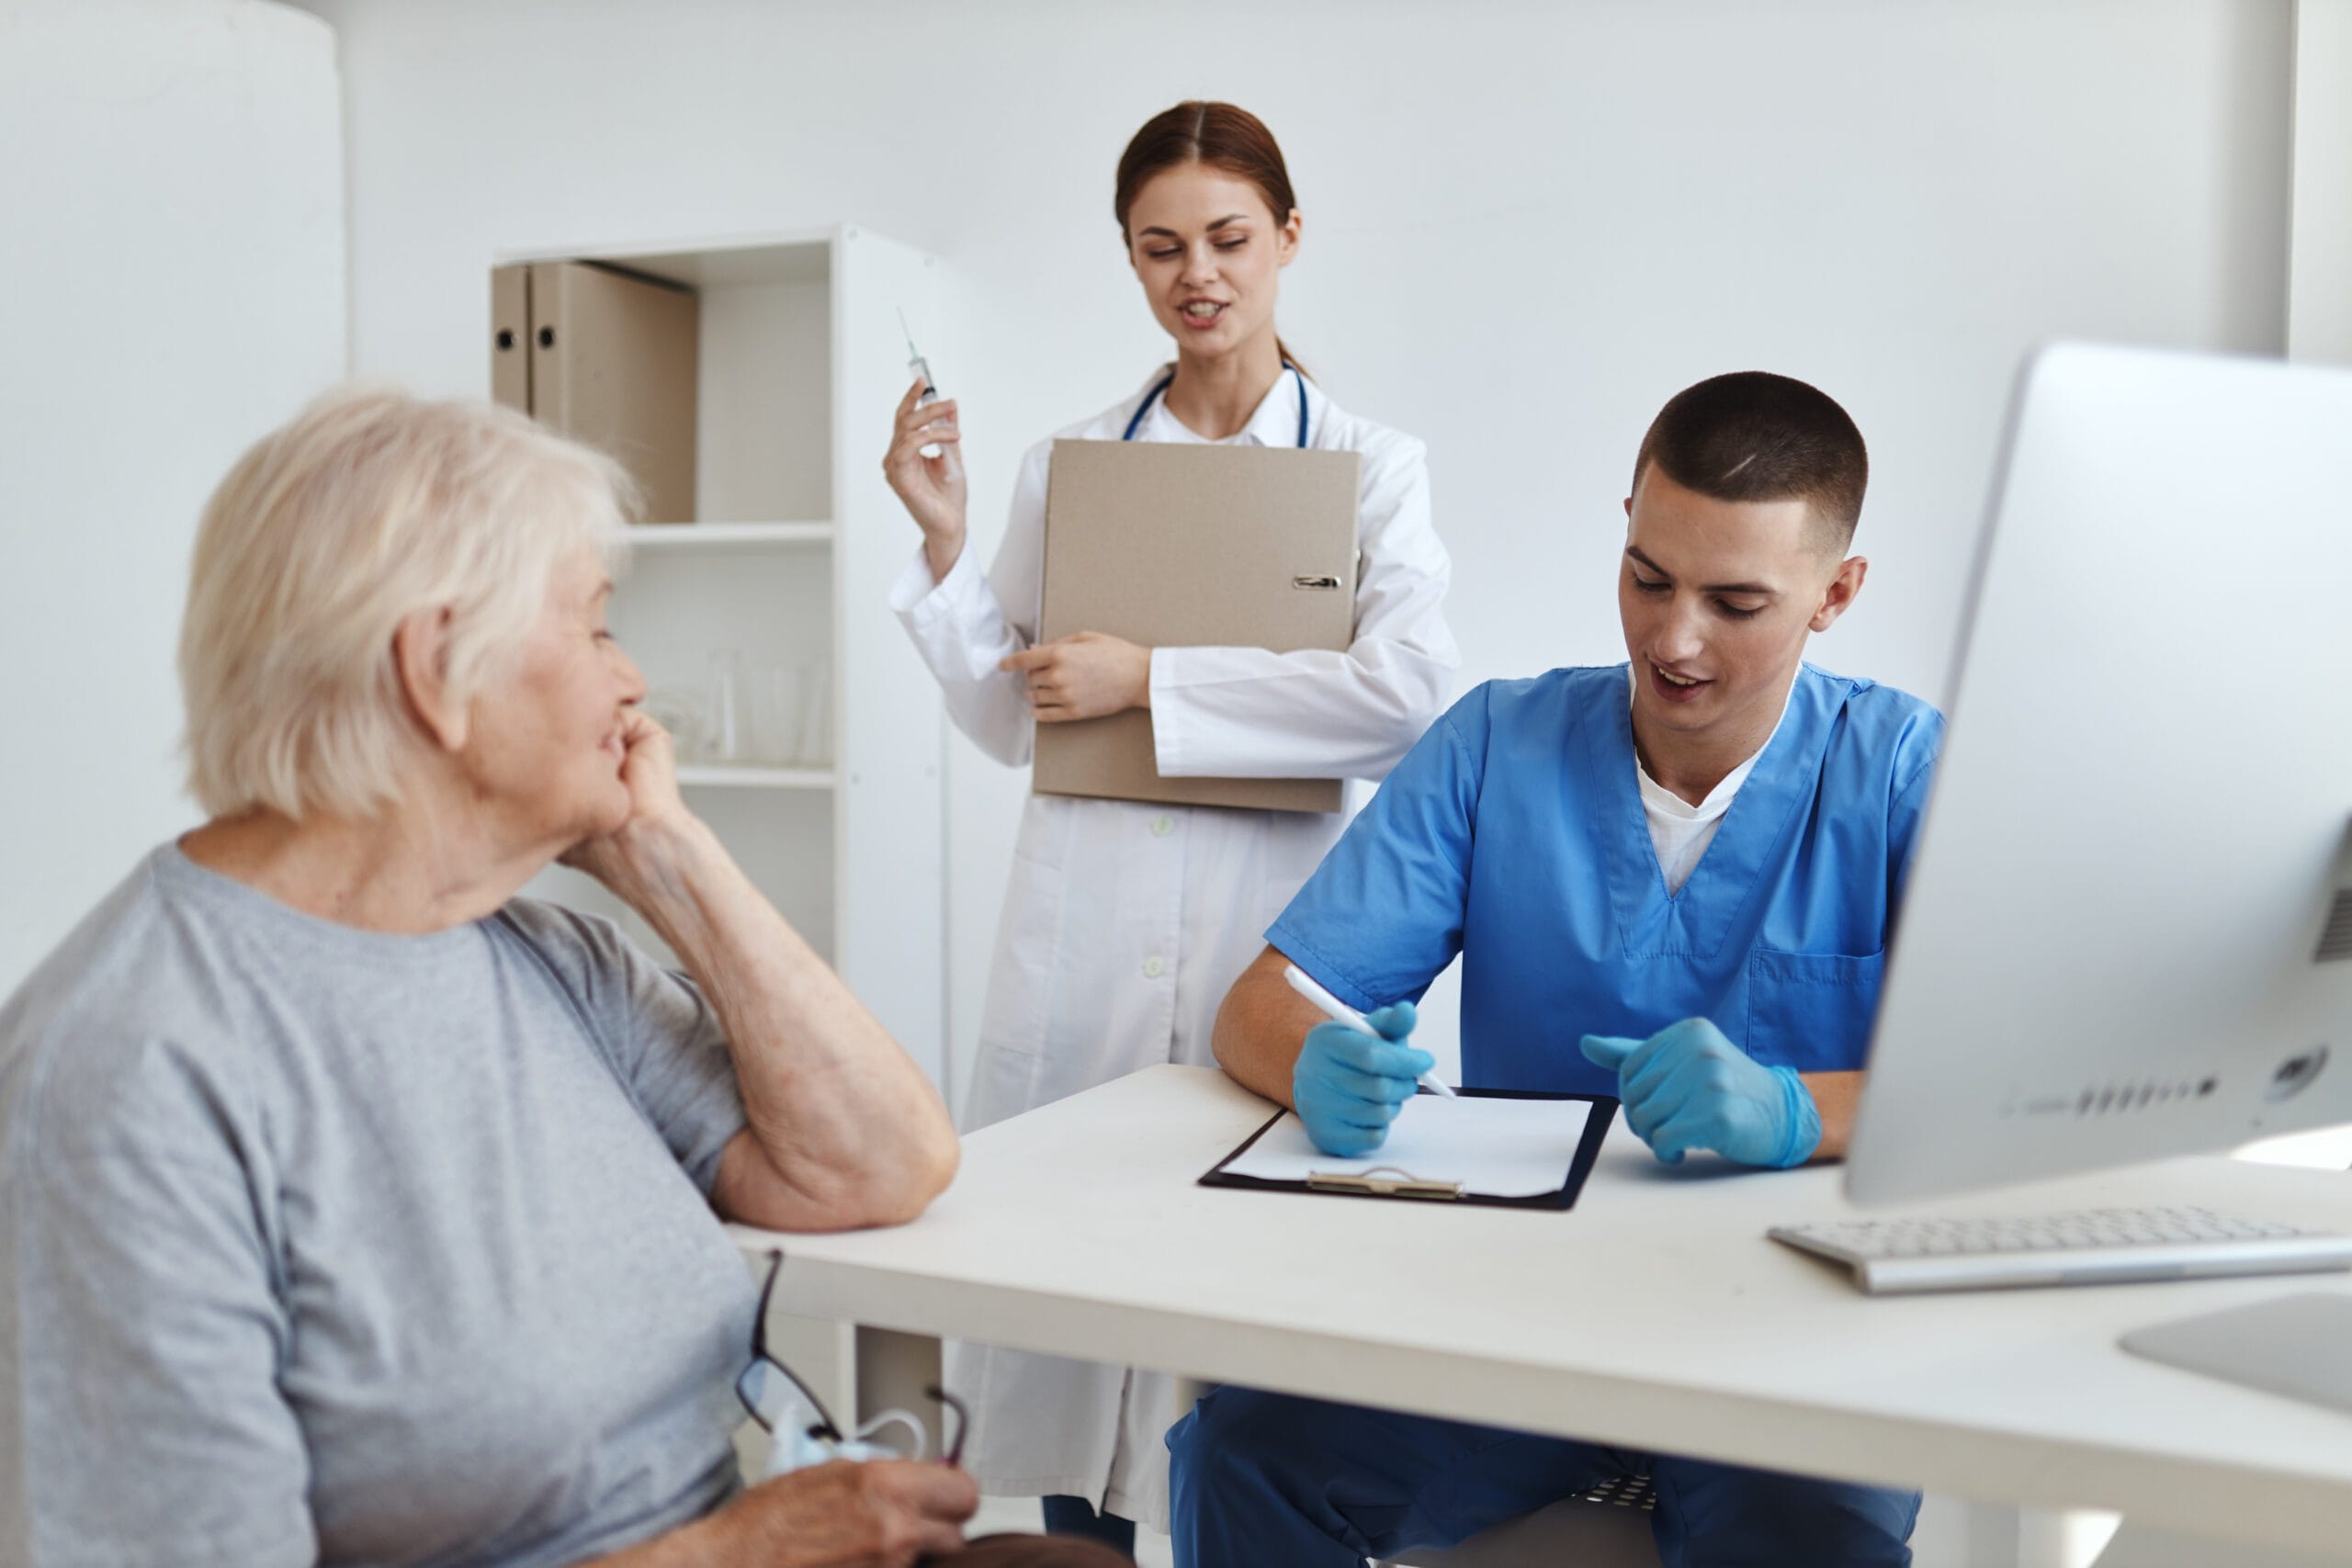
x=1153, y=968
x=1162, y=826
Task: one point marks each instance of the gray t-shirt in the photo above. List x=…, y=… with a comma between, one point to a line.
x=326, y=1245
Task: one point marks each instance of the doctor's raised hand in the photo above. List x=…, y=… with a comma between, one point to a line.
x=934, y=488
x=1689, y=1087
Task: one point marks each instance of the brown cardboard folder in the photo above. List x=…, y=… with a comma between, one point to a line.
x=609, y=358
x=510, y=336
x=1186, y=545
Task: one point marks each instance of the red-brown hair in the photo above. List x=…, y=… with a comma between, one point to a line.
x=1224, y=136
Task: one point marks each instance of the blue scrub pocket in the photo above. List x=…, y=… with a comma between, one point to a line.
x=1812, y=1011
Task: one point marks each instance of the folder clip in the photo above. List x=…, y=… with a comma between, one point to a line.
x=1403, y=1183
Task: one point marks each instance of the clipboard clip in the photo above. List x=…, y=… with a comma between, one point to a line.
x=1401, y=1183
x=1314, y=580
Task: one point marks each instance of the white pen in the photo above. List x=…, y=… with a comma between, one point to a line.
x=1305, y=985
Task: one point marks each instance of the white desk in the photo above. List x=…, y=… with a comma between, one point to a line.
x=1654, y=1315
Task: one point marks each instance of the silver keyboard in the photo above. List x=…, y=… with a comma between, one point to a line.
x=2082, y=1247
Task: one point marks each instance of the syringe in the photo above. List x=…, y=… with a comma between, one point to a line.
x=916, y=363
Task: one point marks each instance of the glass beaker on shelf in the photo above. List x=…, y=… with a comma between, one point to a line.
x=816, y=745
x=725, y=733
x=775, y=714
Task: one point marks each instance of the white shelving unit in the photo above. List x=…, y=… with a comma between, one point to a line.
x=801, y=361
x=739, y=775
x=723, y=536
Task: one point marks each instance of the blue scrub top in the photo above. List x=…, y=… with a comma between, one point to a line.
x=1513, y=834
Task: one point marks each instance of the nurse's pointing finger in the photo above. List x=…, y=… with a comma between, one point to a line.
x=1648, y=1071
x=1677, y=1137
x=1608, y=1051
x=1647, y=1110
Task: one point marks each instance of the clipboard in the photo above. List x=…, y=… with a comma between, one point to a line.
x=1425, y=1186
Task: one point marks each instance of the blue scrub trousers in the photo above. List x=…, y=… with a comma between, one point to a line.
x=1076, y=1516
x=1274, y=1479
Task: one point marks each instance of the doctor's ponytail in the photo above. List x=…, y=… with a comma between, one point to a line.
x=1223, y=136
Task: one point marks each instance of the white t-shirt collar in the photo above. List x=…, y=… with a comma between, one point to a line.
x=1656, y=796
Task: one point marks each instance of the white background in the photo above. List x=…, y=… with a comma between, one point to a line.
x=171, y=286
x=1526, y=226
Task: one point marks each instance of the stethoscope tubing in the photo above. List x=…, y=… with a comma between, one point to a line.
x=1153, y=396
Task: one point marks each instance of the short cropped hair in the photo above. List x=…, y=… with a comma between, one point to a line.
x=1752, y=435
x=369, y=506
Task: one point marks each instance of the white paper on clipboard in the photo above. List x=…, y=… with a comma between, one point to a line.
x=1496, y=1148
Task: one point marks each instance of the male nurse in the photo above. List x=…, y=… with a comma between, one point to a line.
x=1671, y=880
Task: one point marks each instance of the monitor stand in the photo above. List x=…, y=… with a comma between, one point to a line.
x=2286, y=1345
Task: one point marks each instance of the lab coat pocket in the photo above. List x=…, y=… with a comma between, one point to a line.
x=1812, y=1011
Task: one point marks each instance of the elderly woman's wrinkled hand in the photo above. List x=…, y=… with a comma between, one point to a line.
x=649, y=769
x=850, y=1514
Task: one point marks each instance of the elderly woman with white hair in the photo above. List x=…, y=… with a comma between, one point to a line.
x=356, y=1210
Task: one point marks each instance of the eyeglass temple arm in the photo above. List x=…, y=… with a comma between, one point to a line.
x=826, y=1427
x=953, y=1452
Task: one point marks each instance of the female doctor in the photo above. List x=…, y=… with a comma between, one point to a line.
x=1125, y=923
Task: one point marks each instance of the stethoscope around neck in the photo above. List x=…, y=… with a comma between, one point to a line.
x=1165, y=381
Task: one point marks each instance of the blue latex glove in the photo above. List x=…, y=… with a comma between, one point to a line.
x=1687, y=1086
x=1348, y=1086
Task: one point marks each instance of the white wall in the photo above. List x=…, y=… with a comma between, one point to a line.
x=2319, y=269
x=171, y=285
x=1526, y=226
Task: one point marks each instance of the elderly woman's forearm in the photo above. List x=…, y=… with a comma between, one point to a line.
x=853, y=1132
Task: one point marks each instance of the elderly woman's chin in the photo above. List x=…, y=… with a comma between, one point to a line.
x=558, y=807
x=598, y=808
x=611, y=813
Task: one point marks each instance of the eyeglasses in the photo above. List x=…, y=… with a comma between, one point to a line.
x=753, y=1385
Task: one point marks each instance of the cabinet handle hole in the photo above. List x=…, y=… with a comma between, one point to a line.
x=547, y=337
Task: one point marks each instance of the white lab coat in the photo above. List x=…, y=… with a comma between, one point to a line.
x=1125, y=922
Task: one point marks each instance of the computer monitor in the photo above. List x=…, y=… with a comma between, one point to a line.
x=2128, y=932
